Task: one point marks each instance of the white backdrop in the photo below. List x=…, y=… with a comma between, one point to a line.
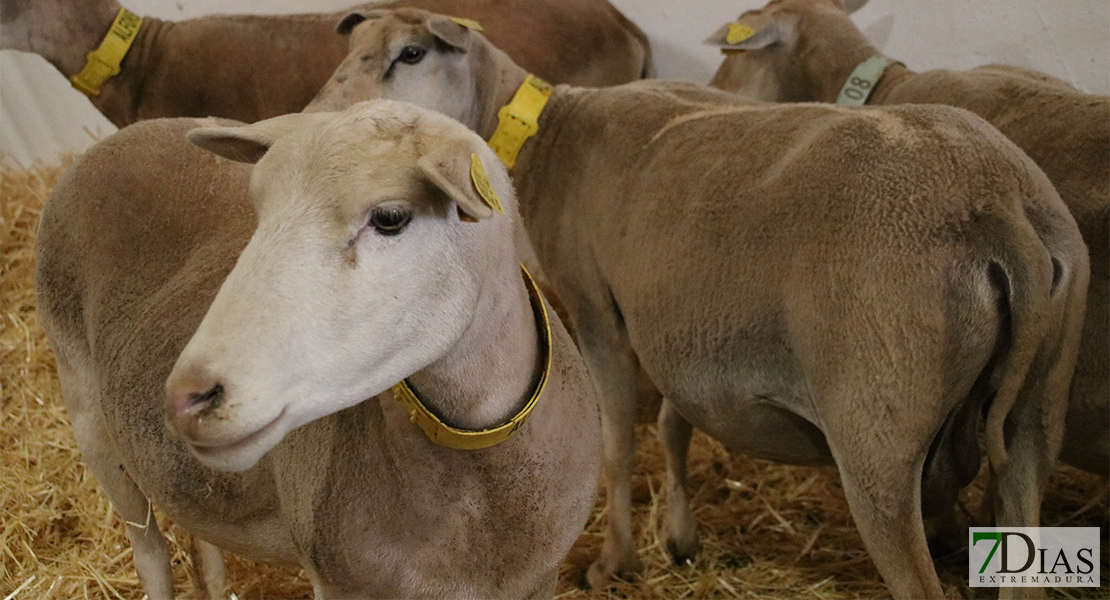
x=41, y=115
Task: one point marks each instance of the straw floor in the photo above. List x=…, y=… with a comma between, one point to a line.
x=768, y=531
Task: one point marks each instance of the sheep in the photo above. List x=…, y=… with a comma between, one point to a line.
x=805, y=283
x=233, y=365
x=805, y=50
x=252, y=67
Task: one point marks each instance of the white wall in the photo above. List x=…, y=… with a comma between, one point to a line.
x=40, y=115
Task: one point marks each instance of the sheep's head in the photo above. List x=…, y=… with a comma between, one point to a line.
x=765, y=49
x=430, y=60
x=368, y=264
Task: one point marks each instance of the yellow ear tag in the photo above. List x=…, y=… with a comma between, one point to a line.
x=468, y=23
x=738, y=33
x=482, y=184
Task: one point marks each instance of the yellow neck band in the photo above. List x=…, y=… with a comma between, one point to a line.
x=519, y=119
x=103, y=63
x=462, y=439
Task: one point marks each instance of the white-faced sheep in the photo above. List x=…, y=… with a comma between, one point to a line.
x=375, y=253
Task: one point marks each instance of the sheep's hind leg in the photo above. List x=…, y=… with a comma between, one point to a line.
x=882, y=483
x=681, y=529
x=1034, y=425
x=1034, y=435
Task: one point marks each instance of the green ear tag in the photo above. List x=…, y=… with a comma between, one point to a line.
x=738, y=33
x=468, y=23
x=482, y=184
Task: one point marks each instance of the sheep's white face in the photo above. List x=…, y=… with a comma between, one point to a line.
x=360, y=273
x=404, y=55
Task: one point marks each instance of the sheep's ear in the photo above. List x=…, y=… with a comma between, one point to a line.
x=453, y=31
x=738, y=36
x=350, y=21
x=459, y=172
x=249, y=143
x=851, y=6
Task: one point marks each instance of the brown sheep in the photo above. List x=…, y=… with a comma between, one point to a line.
x=249, y=67
x=805, y=50
x=805, y=283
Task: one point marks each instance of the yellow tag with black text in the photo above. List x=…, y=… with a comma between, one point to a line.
x=482, y=184
x=738, y=33
x=468, y=23
x=104, y=63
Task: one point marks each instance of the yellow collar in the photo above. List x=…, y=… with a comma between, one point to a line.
x=103, y=63
x=519, y=119
x=462, y=439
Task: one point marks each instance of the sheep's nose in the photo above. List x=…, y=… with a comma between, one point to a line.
x=187, y=401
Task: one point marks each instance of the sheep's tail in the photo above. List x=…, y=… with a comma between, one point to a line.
x=1022, y=269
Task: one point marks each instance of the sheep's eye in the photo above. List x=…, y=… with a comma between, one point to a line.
x=390, y=220
x=410, y=55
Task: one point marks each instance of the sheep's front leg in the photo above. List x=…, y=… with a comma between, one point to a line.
x=615, y=370
x=151, y=555
x=209, y=569
x=681, y=529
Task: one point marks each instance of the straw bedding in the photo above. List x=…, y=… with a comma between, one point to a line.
x=767, y=530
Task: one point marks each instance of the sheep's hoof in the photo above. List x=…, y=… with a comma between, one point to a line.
x=682, y=552
x=945, y=535
x=604, y=570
